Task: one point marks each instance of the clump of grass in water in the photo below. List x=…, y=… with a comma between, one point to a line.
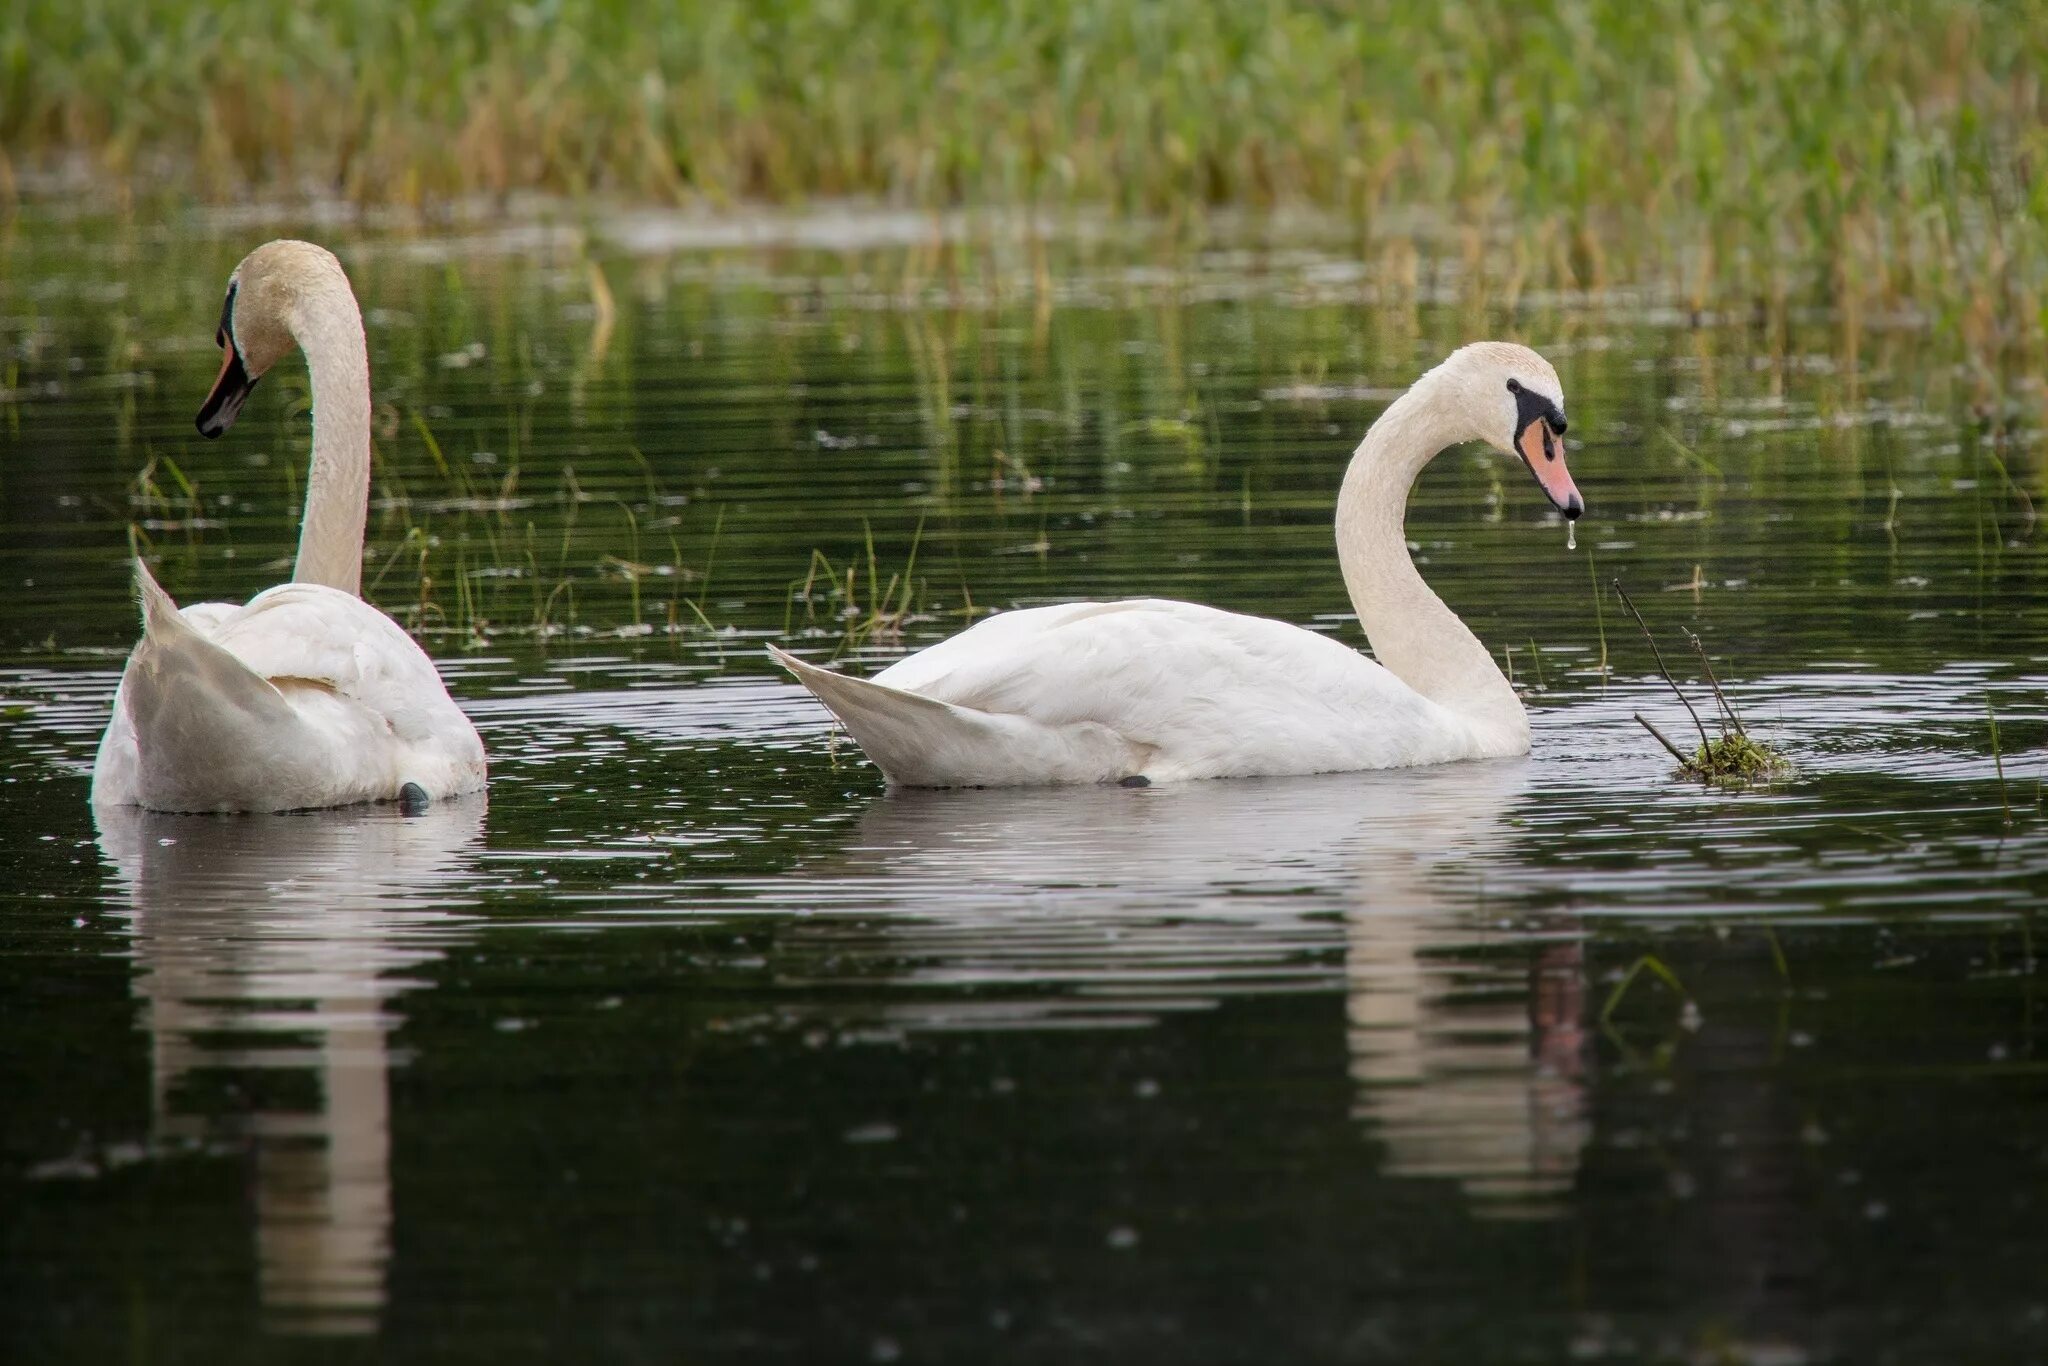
x=1732, y=758
x=880, y=615
x=459, y=553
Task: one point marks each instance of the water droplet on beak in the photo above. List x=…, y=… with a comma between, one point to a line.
x=1571, y=535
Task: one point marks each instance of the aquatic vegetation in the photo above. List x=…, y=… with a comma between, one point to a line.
x=478, y=571
x=1998, y=760
x=866, y=607
x=1730, y=758
x=1657, y=968
x=1733, y=757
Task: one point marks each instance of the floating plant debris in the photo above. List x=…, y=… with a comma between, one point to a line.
x=1732, y=758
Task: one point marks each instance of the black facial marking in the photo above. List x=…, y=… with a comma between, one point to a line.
x=1134, y=780
x=226, y=335
x=1531, y=406
x=413, y=800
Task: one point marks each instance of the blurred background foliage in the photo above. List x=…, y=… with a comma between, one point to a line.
x=1876, y=152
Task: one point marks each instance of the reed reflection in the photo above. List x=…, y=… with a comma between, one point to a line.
x=271, y=951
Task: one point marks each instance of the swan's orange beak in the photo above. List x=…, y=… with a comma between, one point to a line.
x=1542, y=450
x=224, y=403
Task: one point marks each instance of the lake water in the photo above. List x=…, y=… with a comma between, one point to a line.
x=694, y=1042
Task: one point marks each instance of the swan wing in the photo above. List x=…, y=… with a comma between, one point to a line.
x=310, y=634
x=1203, y=692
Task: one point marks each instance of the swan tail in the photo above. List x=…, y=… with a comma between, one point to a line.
x=919, y=741
x=161, y=621
x=181, y=683
x=896, y=729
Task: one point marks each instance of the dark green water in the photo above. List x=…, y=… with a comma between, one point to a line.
x=695, y=1044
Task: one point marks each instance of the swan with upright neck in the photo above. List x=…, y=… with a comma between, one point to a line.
x=1161, y=691
x=305, y=696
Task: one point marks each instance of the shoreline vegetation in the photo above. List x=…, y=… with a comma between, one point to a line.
x=1864, y=155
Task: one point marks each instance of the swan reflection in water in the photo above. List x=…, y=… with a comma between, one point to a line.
x=1466, y=1041
x=277, y=944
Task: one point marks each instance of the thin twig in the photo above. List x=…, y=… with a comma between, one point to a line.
x=1685, y=762
x=1727, y=708
x=1658, y=654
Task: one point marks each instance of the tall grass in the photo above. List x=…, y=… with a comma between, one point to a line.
x=1815, y=117
x=1883, y=152
x=1876, y=152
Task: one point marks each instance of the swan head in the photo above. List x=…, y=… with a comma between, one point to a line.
x=1517, y=405
x=258, y=320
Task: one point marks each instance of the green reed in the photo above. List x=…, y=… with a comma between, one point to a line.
x=496, y=579
x=1998, y=759
x=1651, y=964
x=867, y=607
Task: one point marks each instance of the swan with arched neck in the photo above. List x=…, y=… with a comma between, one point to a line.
x=1161, y=691
x=305, y=696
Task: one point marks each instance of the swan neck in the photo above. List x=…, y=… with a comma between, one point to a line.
x=1413, y=633
x=329, y=328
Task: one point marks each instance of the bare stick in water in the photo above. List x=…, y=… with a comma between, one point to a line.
x=1682, y=760
x=1658, y=654
x=1727, y=708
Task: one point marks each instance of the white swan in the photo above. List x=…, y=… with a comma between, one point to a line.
x=1164, y=691
x=307, y=696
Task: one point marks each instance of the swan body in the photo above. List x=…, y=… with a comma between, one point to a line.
x=305, y=696
x=1167, y=691
x=1091, y=692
